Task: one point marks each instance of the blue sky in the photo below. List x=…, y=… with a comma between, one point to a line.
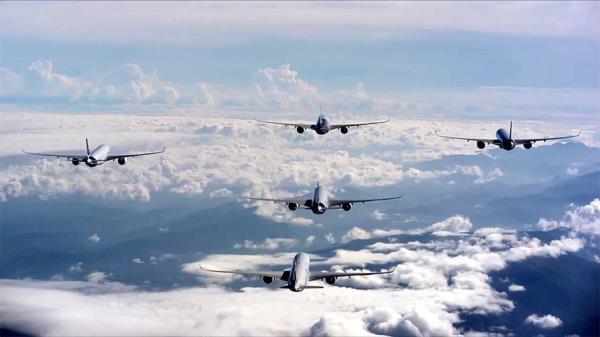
x=390, y=48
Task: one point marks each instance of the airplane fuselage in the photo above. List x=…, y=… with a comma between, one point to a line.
x=299, y=274
x=320, y=201
x=505, y=140
x=98, y=156
x=322, y=126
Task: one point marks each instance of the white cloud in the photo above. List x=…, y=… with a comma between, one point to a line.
x=95, y=238
x=217, y=24
x=329, y=238
x=137, y=260
x=309, y=240
x=585, y=219
x=97, y=277
x=268, y=243
x=544, y=322
x=516, y=288
x=378, y=215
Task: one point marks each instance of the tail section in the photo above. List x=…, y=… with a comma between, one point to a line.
x=510, y=131
x=87, y=146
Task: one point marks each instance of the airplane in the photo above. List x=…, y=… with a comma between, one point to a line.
x=94, y=158
x=322, y=126
x=505, y=141
x=319, y=202
x=299, y=275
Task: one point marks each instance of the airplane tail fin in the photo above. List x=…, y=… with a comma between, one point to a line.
x=87, y=146
x=510, y=131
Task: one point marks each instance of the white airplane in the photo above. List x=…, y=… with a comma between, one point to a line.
x=94, y=158
x=320, y=202
x=298, y=276
x=505, y=141
x=322, y=126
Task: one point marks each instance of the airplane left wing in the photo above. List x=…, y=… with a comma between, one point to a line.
x=322, y=275
x=304, y=125
x=300, y=201
x=280, y=275
x=337, y=203
x=117, y=156
x=58, y=155
x=349, y=125
x=485, y=140
x=533, y=140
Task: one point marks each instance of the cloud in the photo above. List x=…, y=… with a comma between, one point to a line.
x=218, y=24
x=378, y=215
x=309, y=240
x=516, y=288
x=329, y=238
x=268, y=243
x=544, y=322
x=127, y=83
x=95, y=238
x=97, y=277
x=585, y=219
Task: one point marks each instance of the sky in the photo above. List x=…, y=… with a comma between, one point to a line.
x=191, y=76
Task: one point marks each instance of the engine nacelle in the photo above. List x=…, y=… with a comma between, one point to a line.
x=527, y=145
x=75, y=161
x=480, y=144
x=347, y=206
x=344, y=129
x=267, y=279
x=121, y=161
x=300, y=129
x=292, y=206
x=330, y=280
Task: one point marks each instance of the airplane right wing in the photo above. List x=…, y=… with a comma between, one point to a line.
x=323, y=275
x=279, y=275
x=304, y=125
x=487, y=141
x=533, y=140
x=58, y=155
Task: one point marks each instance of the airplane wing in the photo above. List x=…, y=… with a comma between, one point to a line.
x=322, y=275
x=58, y=155
x=487, y=141
x=333, y=203
x=349, y=125
x=302, y=201
x=533, y=140
x=280, y=275
x=117, y=156
x=304, y=125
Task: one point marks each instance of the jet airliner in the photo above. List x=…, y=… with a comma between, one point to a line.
x=298, y=276
x=319, y=202
x=323, y=125
x=505, y=141
x=98, y=156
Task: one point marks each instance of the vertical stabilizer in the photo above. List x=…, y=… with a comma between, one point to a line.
x=87, y=146
x=510, y=131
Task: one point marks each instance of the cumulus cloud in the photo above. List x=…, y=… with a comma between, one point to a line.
x=97, y=277
x=516, y=288
x=268, y=243
x=95, y=238
x=544, y=322
x=585, y=219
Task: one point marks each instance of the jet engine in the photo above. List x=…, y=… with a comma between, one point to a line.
x=267, y=279
x=344, y=129
x=527, y=145
x=121, y=161
x=347, y=206
x=300, y=129
x=480, y=144
x=292, y=206
x=75, y=161
x=330, y=280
